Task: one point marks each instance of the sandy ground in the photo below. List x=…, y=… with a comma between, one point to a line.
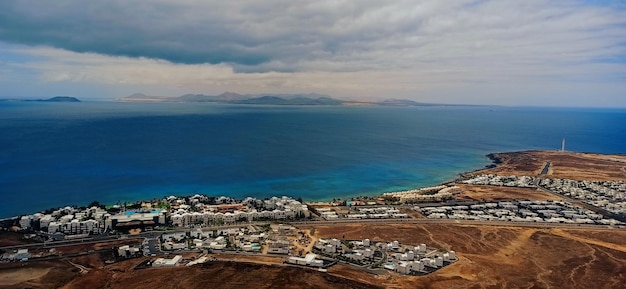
x=568, y=165
x=15, y=276
x=44, y=275
x=502, y=257
x=497, y=193
x=300, y=246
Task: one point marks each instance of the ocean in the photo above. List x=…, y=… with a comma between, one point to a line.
x=57, y=154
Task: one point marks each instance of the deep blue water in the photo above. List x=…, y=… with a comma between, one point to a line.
x=55, y=154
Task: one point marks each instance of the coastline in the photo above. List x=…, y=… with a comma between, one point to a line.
x=144, y=196
x=371, y=152
x=498, y=160
x=379, y=192
x=515, y=207
x=264, y=189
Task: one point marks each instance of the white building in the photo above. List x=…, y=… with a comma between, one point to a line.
x=308, y=260
x=162, y=262
x=176, y=236
x=25, y=222
x=22, y=254
x=127, y=251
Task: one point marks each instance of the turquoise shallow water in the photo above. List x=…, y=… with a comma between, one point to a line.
x=55, y=154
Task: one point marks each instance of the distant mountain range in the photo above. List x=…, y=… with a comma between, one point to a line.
x=268, y=99
x=235, y=98
x=53, y=99
x=405, y=102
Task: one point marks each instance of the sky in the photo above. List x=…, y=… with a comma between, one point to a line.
x=502, y=52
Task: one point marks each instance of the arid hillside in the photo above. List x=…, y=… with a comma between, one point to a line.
x=501, y=257
x=498, y=193
x=490, y=257
x=566, y=165
x=220, y=274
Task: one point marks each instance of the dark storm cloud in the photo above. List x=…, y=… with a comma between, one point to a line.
x=491, y=38
x=135, y=29
x=253, y=36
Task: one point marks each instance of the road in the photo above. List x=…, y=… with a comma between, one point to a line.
x=142, y=235
x=416, y=221
x=455, y=222
x=545, y=169
x=57, y=244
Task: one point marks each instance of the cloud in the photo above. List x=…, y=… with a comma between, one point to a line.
x=125, y=75
x=295, y=36
x=72, y=67
x=354, y=48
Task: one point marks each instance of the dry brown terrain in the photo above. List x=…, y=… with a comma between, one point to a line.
x=230, y=275
x=266, y=272
x=11, y=239
x=14, y=276
x=80, y=248
x=501, y=257
x=44, y=275
x=490, y=257
x=567, y=165
x=260, y=259
x=497, y=193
